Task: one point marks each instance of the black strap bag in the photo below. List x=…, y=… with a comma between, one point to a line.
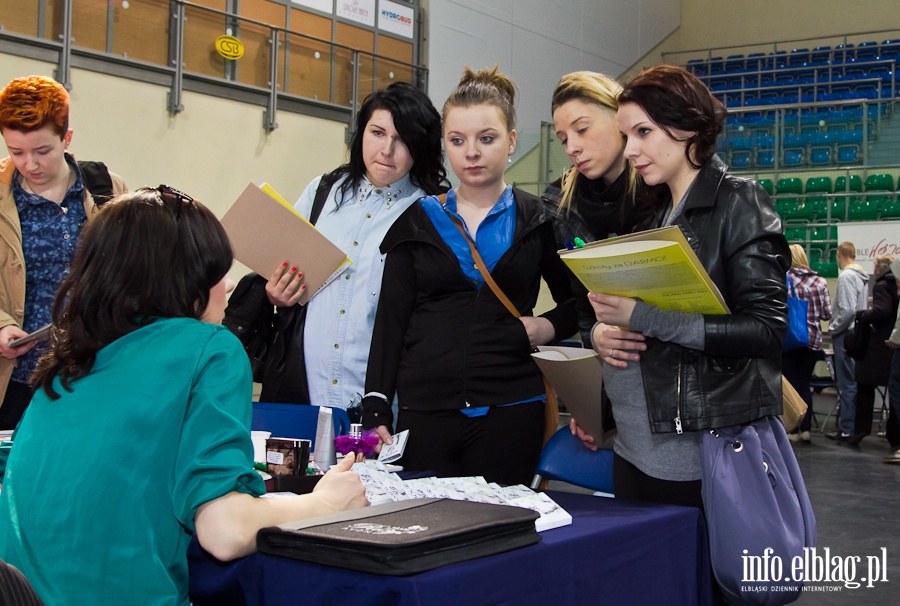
x=856, y=340
x=252, y=318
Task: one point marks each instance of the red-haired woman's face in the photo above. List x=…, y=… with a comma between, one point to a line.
x=39, y=155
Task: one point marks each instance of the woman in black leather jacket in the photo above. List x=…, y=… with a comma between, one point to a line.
x=671, y=374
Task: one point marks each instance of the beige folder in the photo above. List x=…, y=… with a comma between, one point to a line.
x=576, y=374
x=265, y=232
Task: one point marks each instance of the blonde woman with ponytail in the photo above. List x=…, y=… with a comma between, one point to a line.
x=594, y=199
x=457, y=359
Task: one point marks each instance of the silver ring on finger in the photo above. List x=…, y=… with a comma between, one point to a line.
x=611, y=352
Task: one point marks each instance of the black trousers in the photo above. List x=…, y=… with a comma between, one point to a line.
x=797, y=366
x=865, y=408
x=503, y=446
x=18, y=396
x=632, y=484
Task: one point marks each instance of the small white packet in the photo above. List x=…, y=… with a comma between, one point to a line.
x=393, y=451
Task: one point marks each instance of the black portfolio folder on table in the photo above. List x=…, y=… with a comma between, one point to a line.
x=403, y=538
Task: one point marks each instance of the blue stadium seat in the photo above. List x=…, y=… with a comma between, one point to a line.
x=848, y=154
x=820, y=156
x=867, y=50
x=820, y=55
x=798, y=56
x=793, y=157
x=842, y=52
x=740, y=160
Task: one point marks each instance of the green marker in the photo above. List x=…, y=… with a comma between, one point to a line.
x=579, y=243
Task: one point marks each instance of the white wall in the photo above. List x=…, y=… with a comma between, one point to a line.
x=535, y=42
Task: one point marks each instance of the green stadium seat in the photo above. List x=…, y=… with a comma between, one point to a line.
x=795, y=234
x=826, y=269
x=880, y=182
x=798, y=211
x=879, y=200
x=818, y=206
x=862, y=210
x=789, y=185
x=840, y=184
x=838, y=209
x=890, y=210
x=767, y=185
x=819, y=184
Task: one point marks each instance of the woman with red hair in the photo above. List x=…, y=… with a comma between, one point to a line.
x=44, y=204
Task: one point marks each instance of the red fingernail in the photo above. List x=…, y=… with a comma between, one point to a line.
x=299, y=274
x=284, y=263
x=303, y=287
x=293, y=268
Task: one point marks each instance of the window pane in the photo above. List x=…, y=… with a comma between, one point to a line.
x=89, y=19
x=309, y=69
x=141, y=31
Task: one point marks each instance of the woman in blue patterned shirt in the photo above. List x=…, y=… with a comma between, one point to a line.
x=43, y=205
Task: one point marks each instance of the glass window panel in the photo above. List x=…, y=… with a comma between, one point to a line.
x=19, y=17
x=141, y=31
x=201, y=28
x=89, y=18
x=253, y=67
x=309, y=69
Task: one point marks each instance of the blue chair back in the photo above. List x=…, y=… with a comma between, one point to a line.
x=565, y=458
x=295, y=420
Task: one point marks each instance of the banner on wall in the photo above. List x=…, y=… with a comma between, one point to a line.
x=326, y=6
x=361, y=11
x=395, y=18
x=872, y=239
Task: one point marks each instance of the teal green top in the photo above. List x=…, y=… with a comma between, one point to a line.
x=101, y=485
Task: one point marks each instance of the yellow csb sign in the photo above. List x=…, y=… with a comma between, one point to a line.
x=229, y=47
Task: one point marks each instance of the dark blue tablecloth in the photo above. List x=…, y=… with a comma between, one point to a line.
x=614, y=552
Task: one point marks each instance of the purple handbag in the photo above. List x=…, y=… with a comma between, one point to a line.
x=757, y=511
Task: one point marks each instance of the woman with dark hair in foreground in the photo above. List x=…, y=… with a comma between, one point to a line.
x=138, y=435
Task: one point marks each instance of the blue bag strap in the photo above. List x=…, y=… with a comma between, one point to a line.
x=789, y=282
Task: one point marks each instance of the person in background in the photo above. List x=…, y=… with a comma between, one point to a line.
x=850, y=295
x=138, y=435
x=594, y=199
x=460, y=362
x=797, y=365
x=671, y=375
x=319, y=356
x=874, y=368
x=45, y=204
x=893, y=423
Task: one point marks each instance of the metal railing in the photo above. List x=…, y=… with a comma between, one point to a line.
x=679, y=57
x=279, y=63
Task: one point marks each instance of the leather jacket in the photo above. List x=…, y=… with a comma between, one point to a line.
x=732, y=226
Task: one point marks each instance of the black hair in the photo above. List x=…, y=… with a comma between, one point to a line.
x=419, y=126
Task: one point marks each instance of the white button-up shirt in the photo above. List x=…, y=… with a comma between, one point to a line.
x=340, y=317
